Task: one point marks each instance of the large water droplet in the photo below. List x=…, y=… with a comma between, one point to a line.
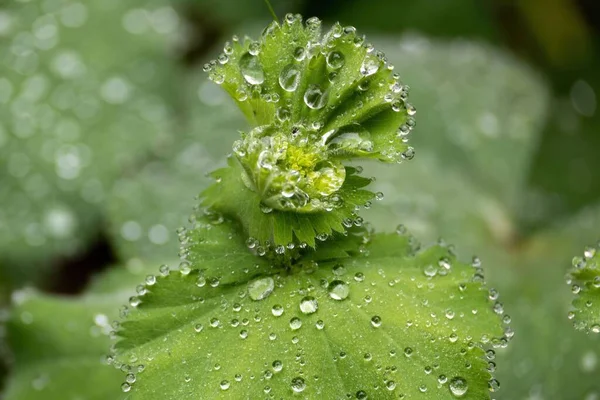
x=370, y=65
x=335, y=60
x=458, y=386
x=289, y=78
x=314, y=97
x=350, y=137
x=309, y=305
x=260, y=289
x=295, y=323
x=298, y=385
x=251, y=69
x=277, y=310
x=338, y=290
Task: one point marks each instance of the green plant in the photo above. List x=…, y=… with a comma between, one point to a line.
x=482, y=115
x=282, y=287
x=584, y=278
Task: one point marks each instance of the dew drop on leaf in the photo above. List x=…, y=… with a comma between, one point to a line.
x=277, y=365
x=277, y=310
x=260, y=289
x=298, y=385
x=369, y=66
x=299, y=53
x=458, y=386
x=376, y=321
x=335, y=60
x=289, y=78
x=309, y=305
x=338, y=290
x=251, y=69
x=295, y=323
x=314, y=97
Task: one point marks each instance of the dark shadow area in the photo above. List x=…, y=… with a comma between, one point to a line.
x=72, y=275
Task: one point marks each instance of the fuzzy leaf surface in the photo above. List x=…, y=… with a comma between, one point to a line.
x=584, y=278
x=410, y=322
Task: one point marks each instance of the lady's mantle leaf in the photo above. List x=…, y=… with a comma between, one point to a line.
x=387, y=323
x=315, y=102
x=584, y=279
x=59, y=344
x=85, y=92
x=283, y=228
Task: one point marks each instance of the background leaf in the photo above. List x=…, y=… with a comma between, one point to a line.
x=75, y=114
x=59, y=344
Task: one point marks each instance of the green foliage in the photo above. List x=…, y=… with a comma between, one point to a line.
x=475, y=144
x=75, y=113
x=282, y=228
x=59, y=344
x=461, y=200
x=584, y=279
x=484, y=179
x=316, y=101
x=315, y=305
x=146, y=207
x=321, y=330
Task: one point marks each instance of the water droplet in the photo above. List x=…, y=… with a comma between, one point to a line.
x=224, y=385
x=314, y=97
x=353, y=137
x=335, y=60
x=289, y=78
x=458, y=386
x=376, y=321
x=298, y=385
x=370, y=65
x=493, y=385
x=338, y=290
x=309, y=305
x=251, y=69
x=277, y=310
x=430, y=271
x=295, y=323
x=260, y=289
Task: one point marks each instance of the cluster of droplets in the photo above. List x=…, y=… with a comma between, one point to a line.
x=310, y=307
x=290, y=168
x=584, y=279
x=313, y=112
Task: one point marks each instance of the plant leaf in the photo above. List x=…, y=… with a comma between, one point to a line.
x=59, y=344
x=76, y=110
x=475, y=122
x=231, y=197
x=146, y=208
x=584, y=279
x=409, y=322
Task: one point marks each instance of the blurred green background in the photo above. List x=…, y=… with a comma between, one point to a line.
x=108, y=126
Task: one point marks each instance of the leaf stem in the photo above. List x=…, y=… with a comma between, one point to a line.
x=270, y=7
